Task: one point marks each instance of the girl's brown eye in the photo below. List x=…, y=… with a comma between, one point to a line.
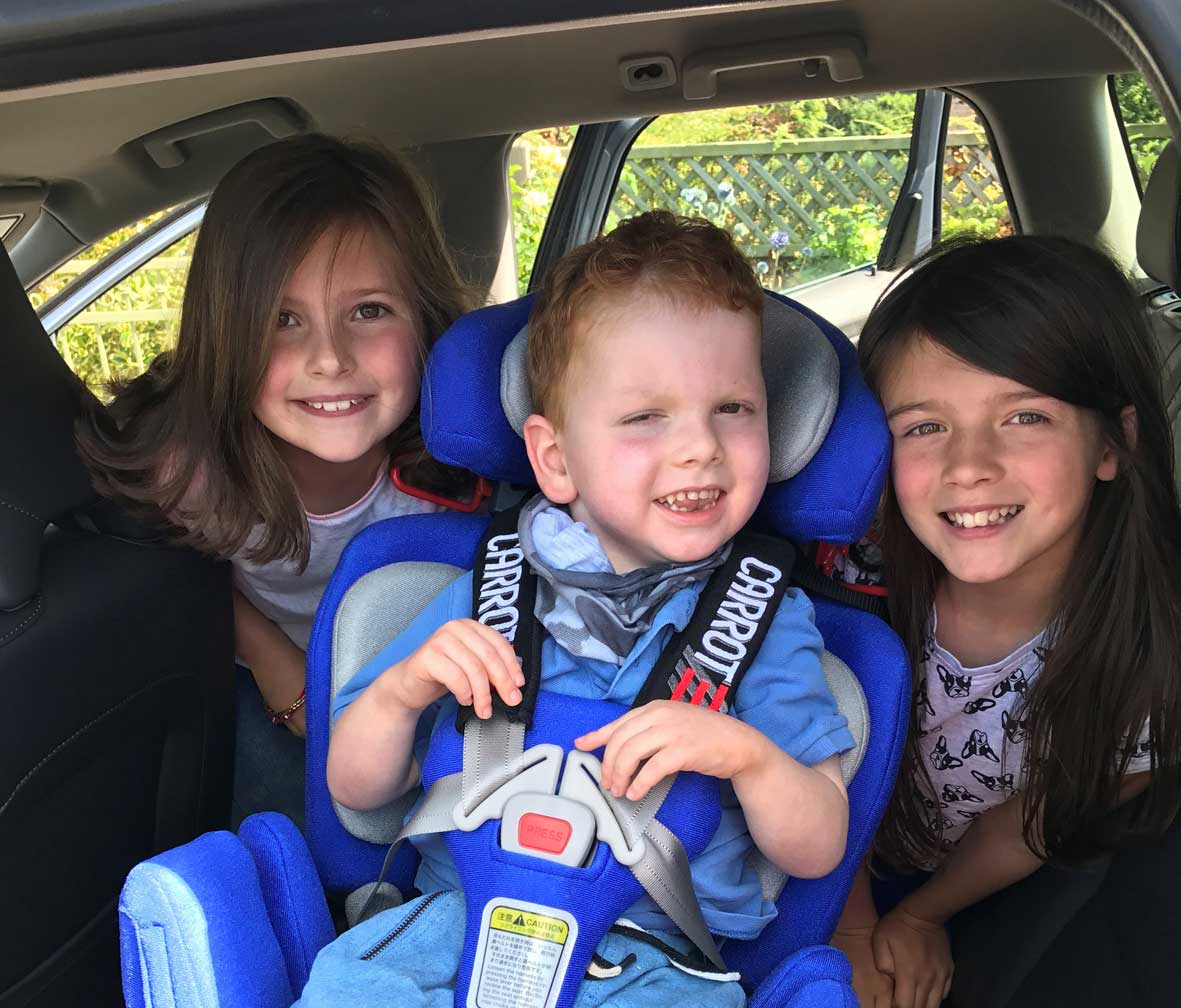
x=371, y=310
x=285, y=320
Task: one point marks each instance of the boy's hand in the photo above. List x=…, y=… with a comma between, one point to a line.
x=917, y=954
x=670, y=736
x=462, y=657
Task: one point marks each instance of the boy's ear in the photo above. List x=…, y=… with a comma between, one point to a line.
x=544, y=445
x=1109, y=464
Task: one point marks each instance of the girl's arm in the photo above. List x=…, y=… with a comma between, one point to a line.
x=853, y=936
x=910, y=942
x=279, y=667
x=991, y=856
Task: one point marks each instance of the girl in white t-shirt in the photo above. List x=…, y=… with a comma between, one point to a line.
x=276, y=428
x=1031, y=536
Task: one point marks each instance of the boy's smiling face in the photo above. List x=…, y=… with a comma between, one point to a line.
x=663, y=449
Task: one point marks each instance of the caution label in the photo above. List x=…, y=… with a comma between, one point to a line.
x=522, y=955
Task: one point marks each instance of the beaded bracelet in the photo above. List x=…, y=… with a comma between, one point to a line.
x=283, y=716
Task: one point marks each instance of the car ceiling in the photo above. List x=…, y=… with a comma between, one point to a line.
x=415, y=74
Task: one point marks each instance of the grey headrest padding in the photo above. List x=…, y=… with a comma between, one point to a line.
x=851, y=702
x=1158, y=233
x=378, y=607
x=800, y=367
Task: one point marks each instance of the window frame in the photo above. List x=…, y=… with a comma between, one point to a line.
x=115, y=267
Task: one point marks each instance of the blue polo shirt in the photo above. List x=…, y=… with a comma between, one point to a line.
x=783, y=695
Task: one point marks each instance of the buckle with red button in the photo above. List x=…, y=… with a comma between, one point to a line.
x=547, y=826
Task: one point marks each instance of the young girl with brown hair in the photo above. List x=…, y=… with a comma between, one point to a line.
x=279, y=426
x=1031, y=535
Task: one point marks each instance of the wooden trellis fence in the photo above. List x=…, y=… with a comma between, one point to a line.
x=777, y=195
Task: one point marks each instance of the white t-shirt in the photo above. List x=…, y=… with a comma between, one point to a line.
x=972, y=732
x=289, y=598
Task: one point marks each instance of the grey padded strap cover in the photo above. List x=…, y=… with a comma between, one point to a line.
x=378, y=607
x=800, y=368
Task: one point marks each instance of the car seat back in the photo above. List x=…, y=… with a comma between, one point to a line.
x=117, y=662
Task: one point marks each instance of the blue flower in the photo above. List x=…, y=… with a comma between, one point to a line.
x=762, y=268
x=726, y=192
x=693, y=195
x=806, y=251
x=779, y=239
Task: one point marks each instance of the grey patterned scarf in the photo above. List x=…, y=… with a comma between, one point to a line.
x=582, y=603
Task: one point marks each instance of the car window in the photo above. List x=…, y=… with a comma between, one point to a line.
x=973, y=194
x=121, y=332
x=536, y=162
x=1143, y=121
x=805, y=187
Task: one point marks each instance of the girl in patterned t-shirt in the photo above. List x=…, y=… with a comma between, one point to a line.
x=1031, y=536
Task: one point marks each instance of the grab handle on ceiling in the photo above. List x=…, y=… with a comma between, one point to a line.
x=842, y=54
x=275, y=116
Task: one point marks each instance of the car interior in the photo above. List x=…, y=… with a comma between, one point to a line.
x=116, y=648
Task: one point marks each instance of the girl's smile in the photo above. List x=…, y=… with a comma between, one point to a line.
x=331, y=407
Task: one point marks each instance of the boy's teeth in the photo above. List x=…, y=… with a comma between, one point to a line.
x=978, y=519
x=690, y=500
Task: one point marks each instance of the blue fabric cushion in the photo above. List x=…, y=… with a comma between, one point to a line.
x=291, y=891
x=193, y=908
x=833, y=498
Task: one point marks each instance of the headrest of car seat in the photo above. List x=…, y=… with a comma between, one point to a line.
x=1158, y=234
x=834, y=448
x=41, y=476
x=802, y=374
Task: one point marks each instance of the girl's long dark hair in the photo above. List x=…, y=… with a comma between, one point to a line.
x=1059, y=318
x=180, y=443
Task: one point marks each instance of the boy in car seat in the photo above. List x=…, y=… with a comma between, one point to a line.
x=650, y=445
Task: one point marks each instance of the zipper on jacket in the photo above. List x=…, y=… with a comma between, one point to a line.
x=398, y=931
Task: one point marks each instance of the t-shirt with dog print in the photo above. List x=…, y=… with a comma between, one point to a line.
x=972, y=732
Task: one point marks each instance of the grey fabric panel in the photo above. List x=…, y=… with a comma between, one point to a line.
x=378, y=607
x=803, y=384
x=851, y=702
x=1158, y=232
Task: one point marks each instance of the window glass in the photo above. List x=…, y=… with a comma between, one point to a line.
x=805, y=187
x=120, y=334
x=1144, y=122
x=973, y=196
x=535, y=165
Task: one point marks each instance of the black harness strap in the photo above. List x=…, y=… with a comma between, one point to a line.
x=504, y=597
x=704, y=664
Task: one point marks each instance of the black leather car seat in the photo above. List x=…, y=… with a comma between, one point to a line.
x=116, y=679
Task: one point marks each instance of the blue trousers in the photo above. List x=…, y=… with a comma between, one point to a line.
x=418, y=966
x=268, y=760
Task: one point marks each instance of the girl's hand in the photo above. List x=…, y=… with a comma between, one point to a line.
x=464, y=658
x=670, y=737
x=917, y=954
x=874, y=989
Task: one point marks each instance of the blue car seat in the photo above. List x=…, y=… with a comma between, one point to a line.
x=237, y=920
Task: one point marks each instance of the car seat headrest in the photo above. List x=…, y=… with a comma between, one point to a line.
x=800, y=367
x=41, y=475
x=1158, y=233
x=828, y=431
